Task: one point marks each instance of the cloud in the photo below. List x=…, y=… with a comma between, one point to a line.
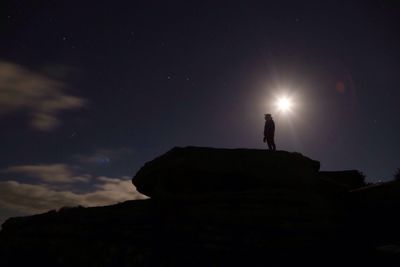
x=40, y=96
x=111, y=190
x=23, y=198
x=30, y=198
x=104, y=156
x=55, y=173
x=55, y=190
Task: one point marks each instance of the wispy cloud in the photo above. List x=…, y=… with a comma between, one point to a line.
x=53, y=188
x=35, y=198
x=52, y=173
x=103, y=156
x=42, y=97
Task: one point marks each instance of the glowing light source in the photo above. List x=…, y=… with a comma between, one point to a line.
x=284, y=104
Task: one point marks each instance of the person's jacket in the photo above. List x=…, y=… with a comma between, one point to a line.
x=269, y=127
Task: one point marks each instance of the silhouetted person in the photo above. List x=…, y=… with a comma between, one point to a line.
x=269, y=132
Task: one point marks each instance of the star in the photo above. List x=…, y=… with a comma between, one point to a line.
x=72, y=135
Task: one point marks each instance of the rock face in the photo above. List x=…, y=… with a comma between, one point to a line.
x=209, y=207
x=194, y=170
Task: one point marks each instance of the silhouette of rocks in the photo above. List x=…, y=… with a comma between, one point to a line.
x=377, y=214
x=195, y=170
x=212, y=207
x=350, y=179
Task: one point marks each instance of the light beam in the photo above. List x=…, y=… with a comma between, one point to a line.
x=284, y=104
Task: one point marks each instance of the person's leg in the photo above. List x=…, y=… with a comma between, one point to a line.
x=273, y=144
x=269, y=142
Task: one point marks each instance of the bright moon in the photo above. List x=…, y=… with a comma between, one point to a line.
x=284, y=104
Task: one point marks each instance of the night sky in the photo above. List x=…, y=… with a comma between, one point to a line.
x=90, y=91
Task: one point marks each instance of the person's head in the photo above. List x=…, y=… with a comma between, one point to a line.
x=267, y=116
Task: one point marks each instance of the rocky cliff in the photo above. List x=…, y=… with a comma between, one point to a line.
x=213, y=207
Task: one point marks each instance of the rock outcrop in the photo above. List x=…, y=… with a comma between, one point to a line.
x=197, y=170
x=213, y=207
x=351, y=179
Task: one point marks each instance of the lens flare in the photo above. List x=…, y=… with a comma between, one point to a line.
x=284, y=104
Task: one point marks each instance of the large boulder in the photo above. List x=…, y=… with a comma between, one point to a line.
x=199, y=170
